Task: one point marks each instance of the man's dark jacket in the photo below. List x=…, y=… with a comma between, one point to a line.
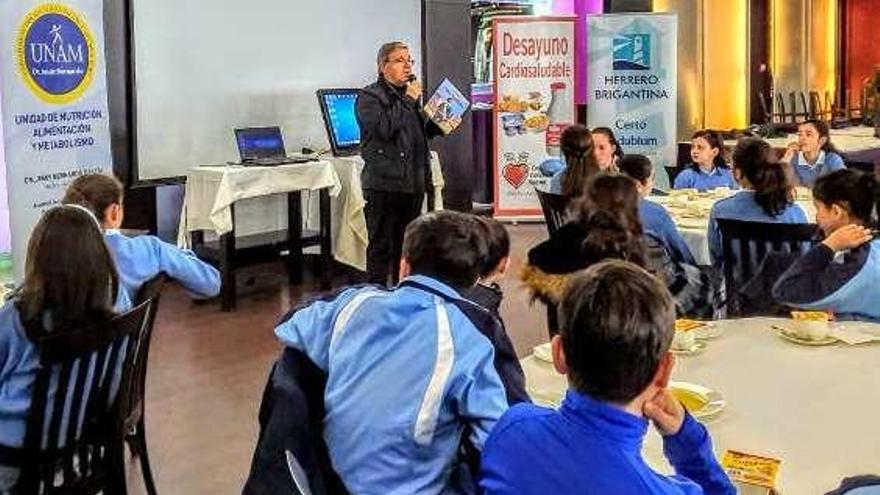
x=394, y=140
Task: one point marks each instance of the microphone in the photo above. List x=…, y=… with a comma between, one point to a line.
x=410, y=78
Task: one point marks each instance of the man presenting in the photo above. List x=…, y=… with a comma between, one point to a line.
x=394, y=146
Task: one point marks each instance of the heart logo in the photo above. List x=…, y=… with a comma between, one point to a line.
x=515, y=174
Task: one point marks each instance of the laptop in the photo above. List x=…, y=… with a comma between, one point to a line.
x=264, y=147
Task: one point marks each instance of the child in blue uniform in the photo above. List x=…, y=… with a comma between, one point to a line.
x=70, y=283
x=841, y=274
x=580, y=162
x=616, y=328
x=141, y=258
x=407, y=371
x=708, y=169
x=813, y=155
x=766, y=196
x=655, y=219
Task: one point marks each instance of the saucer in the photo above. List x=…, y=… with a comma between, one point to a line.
x=693, y=351
x=792, y=336
x=543, y=352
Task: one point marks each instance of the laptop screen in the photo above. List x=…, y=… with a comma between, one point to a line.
x=338, y=109
x=259, y=142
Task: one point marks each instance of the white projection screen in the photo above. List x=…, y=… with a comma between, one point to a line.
x=206, y=67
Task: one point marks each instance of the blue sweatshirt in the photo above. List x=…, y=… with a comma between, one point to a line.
x=590, y=447
x=406, y=372
x=742, y=206
x=807, y=174
x=694, y=177
x=19, y=363
x=845, y=284
x=138, y=259
x=656, y=221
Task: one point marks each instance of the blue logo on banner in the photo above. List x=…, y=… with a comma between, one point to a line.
x=55, y=53
x=632, y=52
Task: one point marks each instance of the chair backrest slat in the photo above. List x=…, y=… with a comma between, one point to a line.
x=555, y=208
x=746, y=244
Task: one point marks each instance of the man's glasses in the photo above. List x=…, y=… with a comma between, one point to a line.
x=405, y=61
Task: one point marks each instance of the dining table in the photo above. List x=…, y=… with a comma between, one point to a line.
x=814, y=407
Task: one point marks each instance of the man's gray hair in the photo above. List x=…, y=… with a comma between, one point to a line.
x=385, y=50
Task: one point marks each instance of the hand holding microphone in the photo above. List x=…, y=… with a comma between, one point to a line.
x=413, y=87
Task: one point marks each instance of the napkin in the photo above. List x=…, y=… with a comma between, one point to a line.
x=855, y=332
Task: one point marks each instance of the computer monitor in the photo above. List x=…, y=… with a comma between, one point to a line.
x=338, y=110
x=259, y=142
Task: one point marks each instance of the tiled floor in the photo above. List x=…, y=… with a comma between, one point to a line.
x=207, y=371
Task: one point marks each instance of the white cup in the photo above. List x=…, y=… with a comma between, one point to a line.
x=684, y=340
x=812, y=329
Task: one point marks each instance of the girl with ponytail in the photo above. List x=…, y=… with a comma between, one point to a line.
x=840, y=274
x=766, y=194
x=606, y=225
x=576, y=143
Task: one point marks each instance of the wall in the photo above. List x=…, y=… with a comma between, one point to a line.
x=862, y=40
x=804, y=45
x=712, y=63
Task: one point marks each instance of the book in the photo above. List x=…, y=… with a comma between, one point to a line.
x=446, y=107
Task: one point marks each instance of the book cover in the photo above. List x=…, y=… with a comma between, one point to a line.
x=446, y=107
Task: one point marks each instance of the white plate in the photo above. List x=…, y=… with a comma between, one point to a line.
x=792, y=336
x=543, y=352
x=712, y=402
x=693, y=351
x=692, y=223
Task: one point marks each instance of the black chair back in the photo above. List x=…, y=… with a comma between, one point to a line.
x=746, y=244
x=73, y=441
x=672, y=173
x=135, y=424
x=555, y=207
x=149, y=292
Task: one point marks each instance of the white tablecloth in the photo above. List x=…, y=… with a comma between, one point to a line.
x=695, y=229
x=846, y=140
x=816, y=408
x=261, y=205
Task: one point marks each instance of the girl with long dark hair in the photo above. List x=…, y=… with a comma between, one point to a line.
x=708, y=169
x=767, y=196
x=812, y=155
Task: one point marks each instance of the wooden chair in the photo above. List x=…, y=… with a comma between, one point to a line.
x=672, y=173
x=135, y=430
x=746, y=244
x=555, y=207
x=73, y=441
x=781, y=110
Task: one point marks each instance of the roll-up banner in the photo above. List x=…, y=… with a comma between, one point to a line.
x=55, y=115
x=534, y=66
x=631, y=83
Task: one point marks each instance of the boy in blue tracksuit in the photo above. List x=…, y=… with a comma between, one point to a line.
x=840, y=274
x=407, y=371
x=141, y=258
x=616, y=326
x=655, y=219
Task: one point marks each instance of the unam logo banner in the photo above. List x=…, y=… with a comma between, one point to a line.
x=632, y=52
x=56, y=53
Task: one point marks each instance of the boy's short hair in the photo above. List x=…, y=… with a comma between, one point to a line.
x=616, y=323
x=497, y=244
x=95, y=192
x=446, y=245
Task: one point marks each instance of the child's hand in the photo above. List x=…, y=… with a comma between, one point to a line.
x=665, y=411
x=790, y=151
x=847, y=237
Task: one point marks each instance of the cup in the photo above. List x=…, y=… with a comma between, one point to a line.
x=812, y=329
x=684, y=340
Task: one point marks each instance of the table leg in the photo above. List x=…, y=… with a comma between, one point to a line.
x=227, y=267
x=294, y=234
x=326, y=240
